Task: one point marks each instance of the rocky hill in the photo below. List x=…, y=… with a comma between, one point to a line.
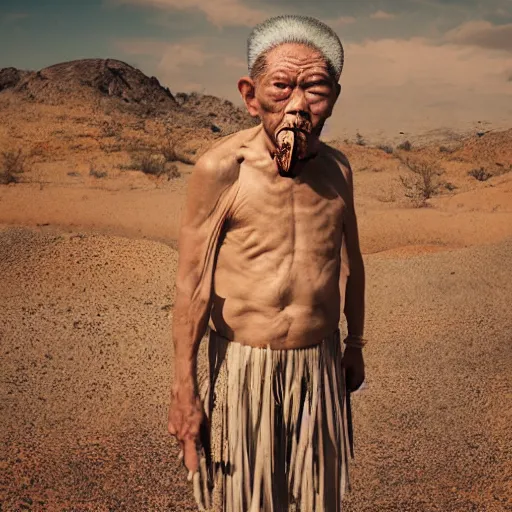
x=88, y=79
x=115, y=85
x=104, y=114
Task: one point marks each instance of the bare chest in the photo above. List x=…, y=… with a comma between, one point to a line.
x=280, y=216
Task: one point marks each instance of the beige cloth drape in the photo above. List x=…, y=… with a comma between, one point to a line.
x=277, y=438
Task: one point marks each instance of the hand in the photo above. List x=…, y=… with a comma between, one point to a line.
x=186, y=415
x=353, y=363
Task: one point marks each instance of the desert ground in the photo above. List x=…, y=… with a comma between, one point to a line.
x=88, y=259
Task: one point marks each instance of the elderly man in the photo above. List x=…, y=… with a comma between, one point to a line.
x=268, y=254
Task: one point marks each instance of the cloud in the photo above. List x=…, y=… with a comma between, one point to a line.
x=382, y=15
x=341, y=21
x=503, y=13
x=12, y=17
x=188, y=65
x=235, y=62
x=482, y=34
x=171, y=57
x=141, y=46
x=219, y=12
x=415, y=85
x=420, y=62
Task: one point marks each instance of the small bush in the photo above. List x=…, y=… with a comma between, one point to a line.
x=172, y=172
x=12, y=164
x=360, y=140
x=446, y=149
x=405, y=146
x=169, y=152
x=153, y=164
x=385, y=148
x=448, y=185
x=422, y=182
x=387, y=196
x=480, y=174
x=96, y=173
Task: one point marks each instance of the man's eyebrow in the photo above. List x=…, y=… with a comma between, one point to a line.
x=279, y=73
x=318, y=81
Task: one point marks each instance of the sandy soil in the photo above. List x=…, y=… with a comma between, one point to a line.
x=87, y=267
x=86, y=366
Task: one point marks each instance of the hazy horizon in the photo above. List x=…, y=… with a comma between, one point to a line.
x=411, y=65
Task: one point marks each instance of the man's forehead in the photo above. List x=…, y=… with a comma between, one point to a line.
x=295, y=57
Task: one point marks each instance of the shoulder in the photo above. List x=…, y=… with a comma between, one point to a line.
x=340, y=158
x=221, y=163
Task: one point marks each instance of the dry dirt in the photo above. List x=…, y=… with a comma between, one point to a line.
x=86, y=366
x=87, y=269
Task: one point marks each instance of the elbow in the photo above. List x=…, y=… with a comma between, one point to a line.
x=191, y=301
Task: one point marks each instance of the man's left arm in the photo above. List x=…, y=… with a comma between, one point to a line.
x=352, y=284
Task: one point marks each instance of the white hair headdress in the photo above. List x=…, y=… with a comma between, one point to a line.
x=296, y=29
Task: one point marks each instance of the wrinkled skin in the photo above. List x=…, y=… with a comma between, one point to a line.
x=295, y=94
x=266, y=181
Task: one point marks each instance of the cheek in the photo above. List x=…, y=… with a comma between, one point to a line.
x=321, y=107
x=270, y=105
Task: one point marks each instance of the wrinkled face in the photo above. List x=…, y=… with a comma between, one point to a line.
x=294, y=94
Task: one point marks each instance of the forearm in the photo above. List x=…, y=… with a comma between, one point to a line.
x=189, y=325
x=354, y=308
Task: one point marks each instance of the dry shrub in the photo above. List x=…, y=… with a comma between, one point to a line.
x=97, y=173
x=387, y=196
x=360, y=140
x=153, y=164
x=480, y=174
x=172, y=172
x=422, y=181
x=169, y=151
x=11, y=166
x=387, y=149
x=405, y=146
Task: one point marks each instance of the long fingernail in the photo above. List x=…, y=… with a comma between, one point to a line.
x=180, y=455
x=190, y=476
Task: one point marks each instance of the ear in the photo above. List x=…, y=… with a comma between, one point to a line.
x=338, y=90
x=247, y=90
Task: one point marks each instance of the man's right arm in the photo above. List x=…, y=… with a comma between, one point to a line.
x=211, y=191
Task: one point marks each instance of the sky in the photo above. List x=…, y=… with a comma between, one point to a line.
x=410, y=65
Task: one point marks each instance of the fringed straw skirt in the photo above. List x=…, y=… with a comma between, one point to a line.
x=277, y=436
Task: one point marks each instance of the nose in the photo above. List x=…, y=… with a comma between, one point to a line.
x=298, y=105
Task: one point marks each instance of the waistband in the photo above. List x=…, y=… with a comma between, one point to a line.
x=334, y=336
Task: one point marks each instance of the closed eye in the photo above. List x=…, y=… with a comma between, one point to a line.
x=318, y=87
x=318, y=92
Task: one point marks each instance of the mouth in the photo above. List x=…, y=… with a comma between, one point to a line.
x=292, y=145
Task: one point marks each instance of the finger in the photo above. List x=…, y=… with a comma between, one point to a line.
x=190, y=454
x=198, y=493
x=204, y=481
